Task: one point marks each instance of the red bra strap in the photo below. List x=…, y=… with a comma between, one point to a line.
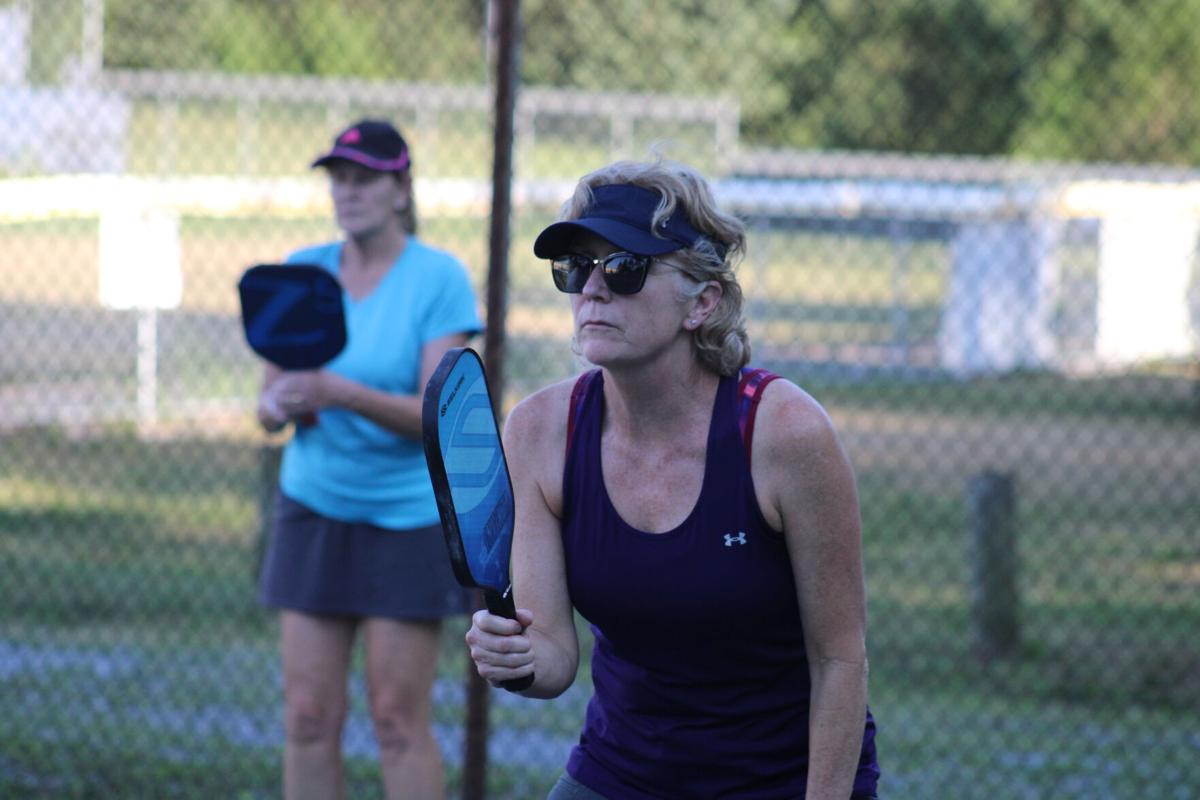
x=750, y=390
x=578, y=392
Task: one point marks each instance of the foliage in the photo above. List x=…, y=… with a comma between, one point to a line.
x=361, y=38
x=1059, y=79
x=1113, y=82
x=915, y=77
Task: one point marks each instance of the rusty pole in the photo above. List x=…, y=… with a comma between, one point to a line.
x=504, y=32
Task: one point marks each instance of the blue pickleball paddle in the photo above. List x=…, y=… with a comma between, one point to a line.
x=292, y=314
x=470, y=480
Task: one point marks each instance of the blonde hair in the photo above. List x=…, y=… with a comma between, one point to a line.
x=721, y=343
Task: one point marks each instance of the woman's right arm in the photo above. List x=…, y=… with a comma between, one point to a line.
x=542, y=640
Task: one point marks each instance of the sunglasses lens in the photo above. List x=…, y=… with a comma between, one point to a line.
x=570, y=273
x=626, y=273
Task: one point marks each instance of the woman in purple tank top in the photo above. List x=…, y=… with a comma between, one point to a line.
x=701, y=515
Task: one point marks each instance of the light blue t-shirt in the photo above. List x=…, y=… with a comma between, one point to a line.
x=347, y=467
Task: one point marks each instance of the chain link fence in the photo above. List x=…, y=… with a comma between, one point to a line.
x=973, y=234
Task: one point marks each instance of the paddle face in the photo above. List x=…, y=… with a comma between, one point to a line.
x=468, y=470
x=292, y=314
x=470, y=481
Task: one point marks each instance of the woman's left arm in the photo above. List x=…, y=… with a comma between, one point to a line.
x=808, y=488
x=308, y=391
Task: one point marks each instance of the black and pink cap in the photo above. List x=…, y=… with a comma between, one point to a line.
x=373, y=143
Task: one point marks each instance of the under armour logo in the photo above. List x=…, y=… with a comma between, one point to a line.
x=730, y=538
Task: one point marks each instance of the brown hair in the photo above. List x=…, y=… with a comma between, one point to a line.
x=408, y=214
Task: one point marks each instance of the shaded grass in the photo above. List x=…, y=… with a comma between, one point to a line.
x=1166, y=394
x=198, y=716
x=1097, y=627
x=128, y=572
x=939, y=743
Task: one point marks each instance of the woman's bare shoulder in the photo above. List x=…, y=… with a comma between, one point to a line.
x=794, y=426
x=540, y=419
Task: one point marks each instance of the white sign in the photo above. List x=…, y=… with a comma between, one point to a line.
x=1145, y=268
x=140, y=258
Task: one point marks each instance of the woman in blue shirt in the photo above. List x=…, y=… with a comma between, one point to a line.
x=355, y=544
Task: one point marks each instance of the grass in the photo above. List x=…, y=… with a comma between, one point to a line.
x=50, y=299
x=1168, y=396
x=942, y=744
x=137, y=664
x=802, y=288
x=136, y=659
x=130, y=609
x=281, y=139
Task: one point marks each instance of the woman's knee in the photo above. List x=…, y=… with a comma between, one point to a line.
x=310, y=718
x=402, y=719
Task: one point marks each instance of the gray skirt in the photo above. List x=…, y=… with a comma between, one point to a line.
x=327, y=567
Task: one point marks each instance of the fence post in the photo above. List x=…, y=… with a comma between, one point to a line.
x=991, y=498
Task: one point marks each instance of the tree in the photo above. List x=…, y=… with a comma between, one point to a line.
x=698, y=48
x=914, y=77
x=1107, y=80
x=412, y=41
x=1117, y=82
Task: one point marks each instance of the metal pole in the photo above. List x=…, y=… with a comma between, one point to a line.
x=507, y=25
x=147, y=367
x=505, y=15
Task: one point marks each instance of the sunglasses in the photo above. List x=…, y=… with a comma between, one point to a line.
x=623, y=273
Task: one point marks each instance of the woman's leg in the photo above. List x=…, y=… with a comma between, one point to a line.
x=316, y=659
x=401, y=664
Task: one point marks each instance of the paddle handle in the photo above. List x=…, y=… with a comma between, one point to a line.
x=501, y=604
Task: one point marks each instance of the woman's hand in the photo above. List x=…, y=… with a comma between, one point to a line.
x=499, y=647
x=270, y=415
x=296, y=396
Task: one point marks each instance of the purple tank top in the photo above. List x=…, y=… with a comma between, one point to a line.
x=701, y=681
